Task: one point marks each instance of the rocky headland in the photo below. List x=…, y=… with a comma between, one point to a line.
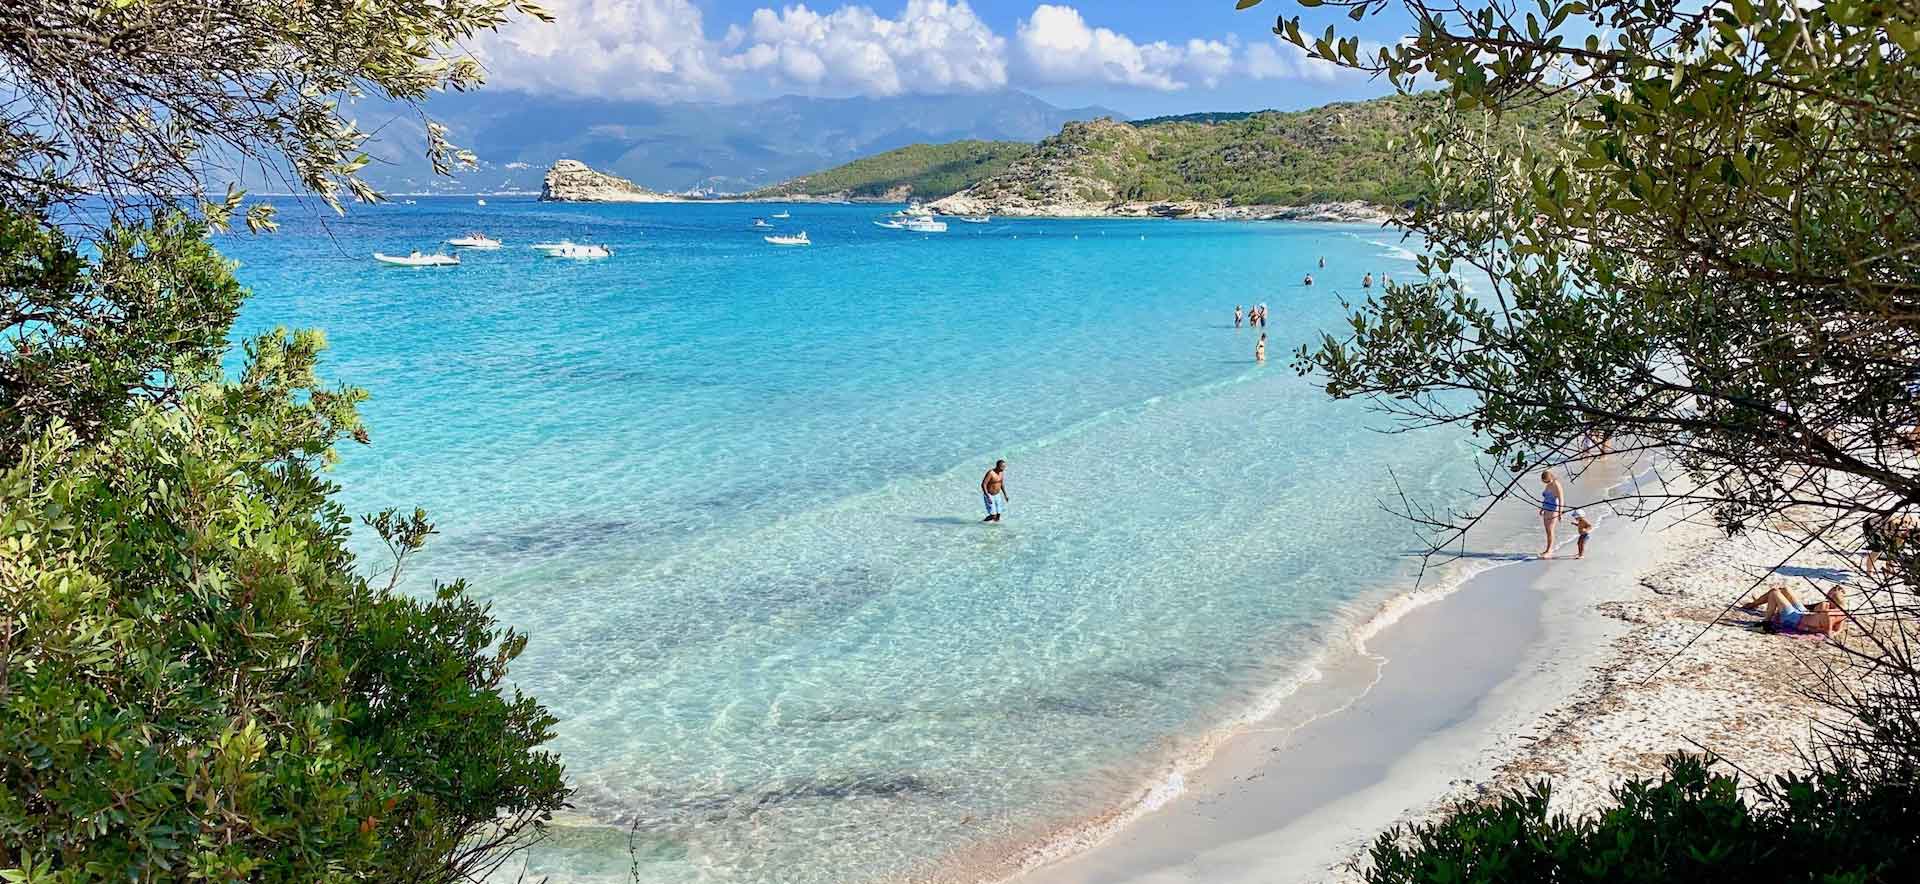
x=571, y=181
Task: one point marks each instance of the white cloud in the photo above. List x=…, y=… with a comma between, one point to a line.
x=654, y=49
x=1058, y=46
x=934, y=46
x=1277, y=59
x=659, y=50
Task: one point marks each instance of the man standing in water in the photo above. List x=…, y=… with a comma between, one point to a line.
x=992, y=484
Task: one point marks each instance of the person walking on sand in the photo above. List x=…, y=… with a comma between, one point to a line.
x=1550, y=498
x=992, y=485
x=1260, y=350
x=1236, y=316
x=1585, y=526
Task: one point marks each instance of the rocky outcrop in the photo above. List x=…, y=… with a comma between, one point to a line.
x=1097, y=169
x=571, y=181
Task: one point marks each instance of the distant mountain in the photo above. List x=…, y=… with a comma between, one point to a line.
x=1348, y=152
x=683, y=147
x=920, y=171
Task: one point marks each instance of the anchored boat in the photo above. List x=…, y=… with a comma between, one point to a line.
x=577, y=251
x=474, y=240
x=799, y=239
x=418, y=260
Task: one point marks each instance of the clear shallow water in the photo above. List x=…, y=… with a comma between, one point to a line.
x=732, y=493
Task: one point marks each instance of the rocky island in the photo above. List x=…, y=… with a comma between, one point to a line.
x=571, y=181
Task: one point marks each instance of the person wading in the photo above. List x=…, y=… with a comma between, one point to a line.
x=992, y=485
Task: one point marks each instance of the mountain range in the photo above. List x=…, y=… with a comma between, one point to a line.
x=717, y=148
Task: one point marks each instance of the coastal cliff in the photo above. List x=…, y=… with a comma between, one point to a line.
x=919, y=171
x=571, y=181
x=1343, y=161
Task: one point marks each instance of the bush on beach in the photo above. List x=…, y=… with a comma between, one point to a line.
x=1836, y=826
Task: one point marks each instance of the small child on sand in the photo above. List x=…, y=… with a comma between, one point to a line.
x=1585, y=527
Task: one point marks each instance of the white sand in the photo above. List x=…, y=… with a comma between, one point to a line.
x=1530, y=669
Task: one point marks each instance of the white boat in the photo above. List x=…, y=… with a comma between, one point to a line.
x=479, y=202
x=418, y=260
x=762, y=224
x=551, y=247
x=983, y=219
x=580, y=252
x=890, y=225
x=799, y=239
x=915, y=209
x=924, y=225
x=782, y=216
x=474, y=240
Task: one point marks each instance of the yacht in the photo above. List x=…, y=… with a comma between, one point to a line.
x=474, y=240
x=578, y=251
x=782, y=215
x=418, y=260
x=915, y=209
x=924, y=224
x=799, y=239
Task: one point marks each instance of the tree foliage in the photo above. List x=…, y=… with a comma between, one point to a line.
x=134, y=100
x=197, y=678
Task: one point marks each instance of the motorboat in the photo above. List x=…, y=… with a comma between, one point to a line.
x=924, y=225
x=889, y=224
x=762, y=224
x=551, y=247
x=983, y=219
x=799, y=239
x=915, y=209
x=781, y=216
x=474, y=240
x=479, y=202
x=418, y=260
x=579, y=251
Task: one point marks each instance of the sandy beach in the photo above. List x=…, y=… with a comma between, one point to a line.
x=1588, y=672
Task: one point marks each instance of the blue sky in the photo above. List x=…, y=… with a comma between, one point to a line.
x=1142, y=58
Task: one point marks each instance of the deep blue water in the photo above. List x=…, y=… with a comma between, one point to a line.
x=731, y=491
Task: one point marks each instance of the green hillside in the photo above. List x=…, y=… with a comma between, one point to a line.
x=1339, y=152
x=929, y=171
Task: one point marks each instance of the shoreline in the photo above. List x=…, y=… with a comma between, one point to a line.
x=1331, y=689
x=1512, y=674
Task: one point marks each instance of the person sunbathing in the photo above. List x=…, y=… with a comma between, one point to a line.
x=1785, y=613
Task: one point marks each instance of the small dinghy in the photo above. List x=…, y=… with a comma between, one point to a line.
x=577, y=251
x=799, y=239
x=474, y=240
x=890, y=225
x=782, y=216
x=479, y=202
x=983, y=219
x=418, y=260
x=762, y=224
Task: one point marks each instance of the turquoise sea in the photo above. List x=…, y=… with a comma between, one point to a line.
x=731, y=491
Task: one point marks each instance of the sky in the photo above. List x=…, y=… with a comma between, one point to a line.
x=1140, y=57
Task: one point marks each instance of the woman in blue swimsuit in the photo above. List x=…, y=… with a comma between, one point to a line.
x=1550, y=500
